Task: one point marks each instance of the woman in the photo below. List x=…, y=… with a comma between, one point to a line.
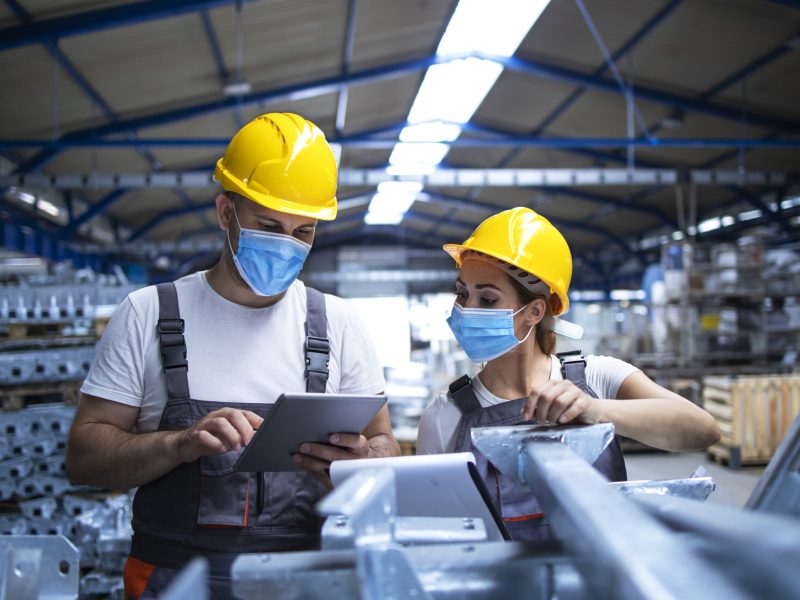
x=514, y=273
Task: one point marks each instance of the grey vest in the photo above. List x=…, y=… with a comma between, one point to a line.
x=205, y=507
x=519, y=508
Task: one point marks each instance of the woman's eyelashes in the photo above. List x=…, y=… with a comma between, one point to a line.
x=485, y=301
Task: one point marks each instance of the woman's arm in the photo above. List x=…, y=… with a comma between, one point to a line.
x=646, y=412
x=643, y=411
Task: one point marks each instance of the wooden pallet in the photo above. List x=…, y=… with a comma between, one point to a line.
x=19, y=396
x=34, y=329
x=754, y=414
x=732, y=457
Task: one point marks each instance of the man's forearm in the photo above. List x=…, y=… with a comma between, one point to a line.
x=383, y=445
x=103, y=455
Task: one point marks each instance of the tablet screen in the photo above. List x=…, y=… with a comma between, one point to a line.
x=299, y=418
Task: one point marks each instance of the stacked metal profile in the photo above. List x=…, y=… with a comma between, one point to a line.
x=32, y=475
x=48, y=330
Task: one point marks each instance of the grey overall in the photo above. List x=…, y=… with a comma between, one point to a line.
x=519, y=508
x=205, y=508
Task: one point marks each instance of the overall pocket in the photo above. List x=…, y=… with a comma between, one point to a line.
x=224, y=493
x=278, y=497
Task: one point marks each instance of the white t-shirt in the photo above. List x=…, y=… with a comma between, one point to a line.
x=235, y=353
x=437, y=427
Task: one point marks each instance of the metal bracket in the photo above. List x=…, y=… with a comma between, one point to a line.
x=38, y=567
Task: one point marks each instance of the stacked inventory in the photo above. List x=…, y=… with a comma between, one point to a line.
x=732, y=304
x=48, y=330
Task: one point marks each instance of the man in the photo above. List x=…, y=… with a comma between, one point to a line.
x=186, y=372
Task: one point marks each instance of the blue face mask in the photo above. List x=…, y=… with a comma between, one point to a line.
x=484, y=333
x=268, y=262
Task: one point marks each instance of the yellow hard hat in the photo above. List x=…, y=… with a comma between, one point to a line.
x=282, y=161
x=525, y=239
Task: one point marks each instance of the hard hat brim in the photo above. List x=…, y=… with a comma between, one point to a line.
x=231, y=184
x=456, y=252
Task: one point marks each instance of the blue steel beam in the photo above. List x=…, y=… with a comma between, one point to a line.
x=464, y=204
x=622, y=51
x=424, y=238
x=358, y=141
x=74, y=73
x=98, y=20
x=283, y=94
x=167, y=215
x=213, y=42
x=333, y=84
x=748, y=69
x=542, y=69
x=95, y=209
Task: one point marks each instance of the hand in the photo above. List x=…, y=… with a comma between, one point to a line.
x=219, y=431
x=317, y=458
x=561, y=401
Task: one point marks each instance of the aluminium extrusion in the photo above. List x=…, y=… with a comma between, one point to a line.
x=621, y=551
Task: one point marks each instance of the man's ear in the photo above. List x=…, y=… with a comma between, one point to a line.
x=535, y=312
x=224, y=211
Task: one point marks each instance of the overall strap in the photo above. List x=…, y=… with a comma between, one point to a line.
x=317, y=346
x=573, y=368
x=463, y=395
x=172, y=343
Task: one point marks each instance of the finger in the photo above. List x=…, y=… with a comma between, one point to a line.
x=561, y=403
x=252, y=418
x=312, y=464
x=323, y=479
x=356, y=442
x=326, y=452
x=543, y=406
x=242, y=426
x=550, y=394
x=573, y=412
x=222, y=429
x=530, y=406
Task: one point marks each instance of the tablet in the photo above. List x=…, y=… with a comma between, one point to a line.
x=298, y=418
x=434, y=485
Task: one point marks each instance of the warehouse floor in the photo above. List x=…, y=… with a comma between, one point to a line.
x=733, y=486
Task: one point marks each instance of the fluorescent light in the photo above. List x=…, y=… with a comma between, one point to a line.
x=709, y=225
x=25, y=197
x=374, y=218
x=727, y=221
x=496, y=27
x=237, y=88
x=398, y=202
x=587, y=295
x=410, y=155
x=48, y=207
x=749, y=215
x=453, y=91
x=790, y=202
x=410, y=169
x=677, y=235
x=391, y=202
x=400, y=187
x=435, y=131
x=627, y=294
